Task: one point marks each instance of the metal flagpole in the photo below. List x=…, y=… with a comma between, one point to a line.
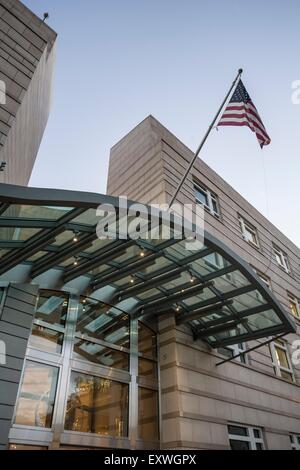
x=205, y=137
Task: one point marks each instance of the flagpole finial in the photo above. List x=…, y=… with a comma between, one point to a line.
x=240, y=71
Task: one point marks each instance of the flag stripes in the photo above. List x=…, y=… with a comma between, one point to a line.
x=241, y=111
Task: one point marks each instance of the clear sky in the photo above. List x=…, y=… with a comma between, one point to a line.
x=121, y=60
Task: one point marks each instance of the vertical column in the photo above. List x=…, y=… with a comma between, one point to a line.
x=61, y=395
x=16, y=317
x=169, y=395
x=133, y=386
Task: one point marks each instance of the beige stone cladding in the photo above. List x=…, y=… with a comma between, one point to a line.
x=27, y=56
x=198, y=398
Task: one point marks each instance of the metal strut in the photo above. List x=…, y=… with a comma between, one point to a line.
x=251, y=349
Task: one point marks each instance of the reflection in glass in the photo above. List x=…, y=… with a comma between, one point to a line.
x=238, y=430
x=182, y=281
x=52, y=307
x=36, y=400
x=147, y=369
x=35, y=212
x=148, y=414
x=103, y=322
x=17, y=234
x=230, y=281
x=237, y=331
x=98, y=354
x=37, y=256
x=250, y=300
x=156, y=266
x=46, y=339
x=149, y=294
x=179, y=251
x=239, y=445
x=259, y=321
x=63, y=238
x=210, y=263
x=146, y=341
x=97, y=405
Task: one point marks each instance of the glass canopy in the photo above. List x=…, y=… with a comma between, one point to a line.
x=211, y=289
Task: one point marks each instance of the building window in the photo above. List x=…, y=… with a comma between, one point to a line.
x=249, y=232
x=49, y=321
x=99, y=321
x=147, y=378
x=245, y=438
x=207, y=198
x=148, y=414
x=46, y=339
x=295, y=441
x=52, y=307
x=233, y=350
x=147, y=352
x=102, y=335
x=147, y=341
x=99, y=354
x=281, y=258
x=97, y=405
x=294, y=306
x=265, y=279
x=281, y=359
x=100, y=362
x=37, y=395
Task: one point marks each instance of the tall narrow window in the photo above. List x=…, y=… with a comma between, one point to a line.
x=281, y=258
x=294, y=306
x=148, y=414
x=97, y=405
x=207, y=198
x=147, y=396
x=49, y=323
x=281, y=359
x=36, y=400
x=249, y=232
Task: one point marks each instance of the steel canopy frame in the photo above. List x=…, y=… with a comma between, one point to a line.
x=79, y=202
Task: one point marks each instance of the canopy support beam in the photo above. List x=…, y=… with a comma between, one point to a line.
x=251, y=349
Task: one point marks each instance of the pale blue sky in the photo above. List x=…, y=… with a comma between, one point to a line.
x=121, y=60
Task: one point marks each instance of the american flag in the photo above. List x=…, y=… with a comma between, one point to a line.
x=242, y=112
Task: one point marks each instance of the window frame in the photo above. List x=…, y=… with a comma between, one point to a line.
x=250, y=438
x=283, y=346
x=247, y=227
x=211, y=197
x=279, y=254
x=66, y=363
x=239, y=348
x=295, y=301
x=39, y=362
x=58, y=328
x=295, y=441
